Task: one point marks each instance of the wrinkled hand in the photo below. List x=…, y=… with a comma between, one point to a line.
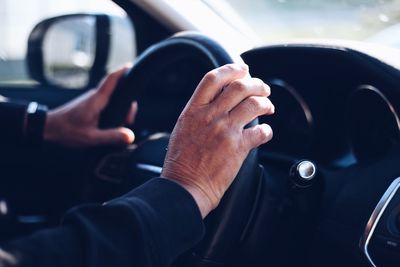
x=76, y=123
x=209, y=143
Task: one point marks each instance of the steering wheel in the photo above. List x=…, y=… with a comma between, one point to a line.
x=226, y=225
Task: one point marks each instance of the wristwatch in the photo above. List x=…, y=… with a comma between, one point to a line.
x=35, y=122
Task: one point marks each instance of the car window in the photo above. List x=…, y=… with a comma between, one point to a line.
x=18, y=18
x=376, y=21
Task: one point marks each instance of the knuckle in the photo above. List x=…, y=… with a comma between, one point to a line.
x=211, y=77
x=207, y=118
x=220, y=127
x=238, y=68
x=264, y=88
x=254, y=103
x=265, y=133
x=258, y=82
x=230, y=67
x=238, y=86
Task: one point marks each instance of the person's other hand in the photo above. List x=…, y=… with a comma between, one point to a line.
x=209, y=143
x=76, y=123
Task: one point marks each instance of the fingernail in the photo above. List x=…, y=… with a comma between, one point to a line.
x=129, y=136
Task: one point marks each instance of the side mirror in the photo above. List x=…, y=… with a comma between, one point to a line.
x=75, y=51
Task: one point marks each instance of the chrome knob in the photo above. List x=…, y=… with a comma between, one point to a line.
x=303, y=173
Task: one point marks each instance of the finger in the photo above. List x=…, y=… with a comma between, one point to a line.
x=240, y=89
x=109, y=83
x=251, y=108
x=257, y=135
x=213, y=82
x=130, y=117
x=115, y=136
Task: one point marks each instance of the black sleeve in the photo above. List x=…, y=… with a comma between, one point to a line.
x=150, y=226
x=12, y=121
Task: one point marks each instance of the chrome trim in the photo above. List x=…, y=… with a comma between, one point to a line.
x=293, y=92
x=149, y=168
x=384, y=98
x=376, y=216
x=306, y=170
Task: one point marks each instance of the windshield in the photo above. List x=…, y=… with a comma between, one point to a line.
x=362, y=20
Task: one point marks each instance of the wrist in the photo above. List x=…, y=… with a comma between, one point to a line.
x=49, y=133
x=202, y=200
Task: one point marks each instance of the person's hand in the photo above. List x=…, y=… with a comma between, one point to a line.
x=209, y=143
x=76, y=123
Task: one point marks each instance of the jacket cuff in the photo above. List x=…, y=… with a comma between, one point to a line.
x=12, y=121
x=171, y=215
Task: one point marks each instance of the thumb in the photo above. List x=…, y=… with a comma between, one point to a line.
x=114, y=136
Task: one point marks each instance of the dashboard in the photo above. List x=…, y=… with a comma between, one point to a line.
x=339, y=108
x=333, y=105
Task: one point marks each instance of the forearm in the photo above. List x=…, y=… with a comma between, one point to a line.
x=149, y=226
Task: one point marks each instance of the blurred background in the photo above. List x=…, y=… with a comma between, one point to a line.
x=364, y=20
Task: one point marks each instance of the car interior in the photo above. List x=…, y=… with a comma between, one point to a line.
x=324, y=192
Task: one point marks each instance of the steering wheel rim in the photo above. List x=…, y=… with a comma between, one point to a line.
x=172, y=49
x=226, y=225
